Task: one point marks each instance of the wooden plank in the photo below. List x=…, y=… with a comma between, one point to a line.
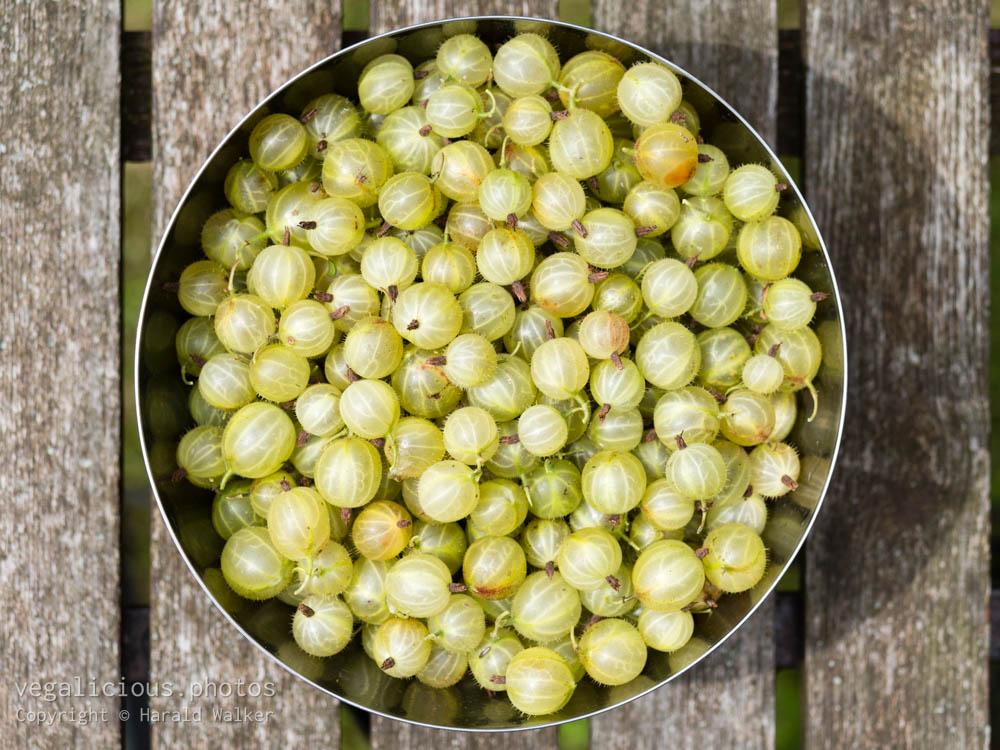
x=59, y=367
x=212, y=61
x=994, y=91
x=387, y=734
x=386, y=16
x=727, y=701
x=898, y=574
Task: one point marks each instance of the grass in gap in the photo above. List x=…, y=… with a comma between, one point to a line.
x=353, y=729
x=137, y=15
x=136, y=245
x=575, y=11
x=575, y=735
x=787, y=699
x=355, y=15
x=789, y=14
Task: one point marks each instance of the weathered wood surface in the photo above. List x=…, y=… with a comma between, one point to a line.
x=59, y=366
x=212, y=62
x=898, y=575
x=387, y=734
x=727, y=700
x=386, y=16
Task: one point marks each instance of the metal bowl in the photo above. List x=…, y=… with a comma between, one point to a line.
x=351, y=676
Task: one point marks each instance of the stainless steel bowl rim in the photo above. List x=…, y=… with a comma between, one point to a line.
x=194, y=181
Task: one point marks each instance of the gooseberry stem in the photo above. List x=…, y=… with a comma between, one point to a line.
x=499, y=621
x=503, y=151
x=493, y=109
x=232, y=279
x=632, y=544
x=307, y=577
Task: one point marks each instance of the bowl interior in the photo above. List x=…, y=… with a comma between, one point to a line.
x=351, y=675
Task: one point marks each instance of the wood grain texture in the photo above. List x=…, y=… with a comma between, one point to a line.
x=727, y=700
x=59, y=365
x=385, y=15
x=386, y=733
x=898, y=575
x=213, y=60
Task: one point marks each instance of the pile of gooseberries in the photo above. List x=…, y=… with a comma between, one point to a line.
x=493, y=366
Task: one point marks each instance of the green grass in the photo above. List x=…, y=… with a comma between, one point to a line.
x=355, y=16
x=137, y=15
x=575, y=735
x=789, y=14
x=136, y=241
x=575, y=11
x=787, y=698
x=352, y=733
